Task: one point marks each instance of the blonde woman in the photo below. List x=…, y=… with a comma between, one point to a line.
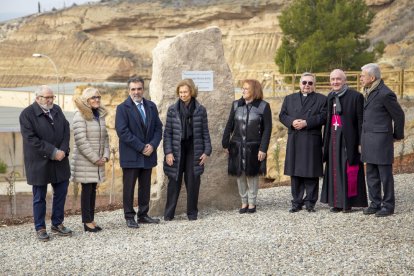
x=91, y=151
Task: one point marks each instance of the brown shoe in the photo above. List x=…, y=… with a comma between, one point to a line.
x=42, y=235
x=61, y=230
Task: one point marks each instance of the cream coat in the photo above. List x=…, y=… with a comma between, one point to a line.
x=91, y=144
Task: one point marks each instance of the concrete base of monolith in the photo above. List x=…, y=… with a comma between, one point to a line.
x=196, y=51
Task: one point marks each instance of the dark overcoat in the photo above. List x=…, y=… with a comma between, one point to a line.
x=382, y=124
x=304, y=147
x=172, y=138
x=352, y=103
x=247, y=132
x=41, y=138
x=134, y=134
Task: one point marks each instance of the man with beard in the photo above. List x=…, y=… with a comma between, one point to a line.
x=46, y=133
x=304, y=114
x=344, y=180
x=382, y=125
x=139, y=129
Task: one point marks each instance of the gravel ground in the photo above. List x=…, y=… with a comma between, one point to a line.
x=270, y=242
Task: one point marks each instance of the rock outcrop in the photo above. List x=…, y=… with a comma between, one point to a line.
x=196, y=51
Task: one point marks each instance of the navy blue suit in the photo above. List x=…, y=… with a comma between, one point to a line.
x=134, y=133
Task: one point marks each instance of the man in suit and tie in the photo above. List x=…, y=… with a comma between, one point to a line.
x=304, y=114
x=383, y=123
x=139, y=129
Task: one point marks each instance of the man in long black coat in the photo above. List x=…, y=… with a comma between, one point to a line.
x=304, y=114
x=344, y=180
x=46, y=133
x=382, y=125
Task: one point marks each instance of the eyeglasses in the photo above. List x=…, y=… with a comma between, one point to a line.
x=95, y=98
x=48, y=98
x=307, y=82
x=137, y=89
x=245, y=89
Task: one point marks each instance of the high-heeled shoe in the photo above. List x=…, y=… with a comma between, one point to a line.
x=88, y=229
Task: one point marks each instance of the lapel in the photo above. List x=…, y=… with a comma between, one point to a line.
x=148, y=114
x=135, y=113
x=308, y=103
x=372, y=95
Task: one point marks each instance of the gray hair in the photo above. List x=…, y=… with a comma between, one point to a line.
x=306, y=74
x=41, y=89
x=372, y=69
x=341, y=72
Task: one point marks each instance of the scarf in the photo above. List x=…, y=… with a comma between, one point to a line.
x=337, y=95
x=95, y=112
x=186, y=116
x=368, y=90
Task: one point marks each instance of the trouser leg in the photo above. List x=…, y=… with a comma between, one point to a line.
x=39, y=206
x=192, y=182
x=144, y=191
x=374, y=185
x=173, y=192
x=60, y=190
x=297, y=189
x=242, y=185
x=253, y=184
x=86, y=202
x=129, y=179
x=93, y=200
x=387, y=179
x=312, y=190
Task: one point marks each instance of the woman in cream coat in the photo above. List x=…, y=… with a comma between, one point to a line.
x=91, y=151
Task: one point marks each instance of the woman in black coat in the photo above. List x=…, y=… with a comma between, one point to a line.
x=246, y=139
x=186, y=147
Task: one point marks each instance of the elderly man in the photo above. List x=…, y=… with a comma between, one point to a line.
x=45, y=133
x=383, y=124
x=344, y=180
x=304, y=114
x=139, y=129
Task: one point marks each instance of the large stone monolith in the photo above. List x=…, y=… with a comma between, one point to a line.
x=196, y=51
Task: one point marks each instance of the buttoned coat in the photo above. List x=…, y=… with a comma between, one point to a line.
x=304, y=147
x=172, y=138
x=90, y=145
x=383, y=122
x=134, y=134
x=41, y=138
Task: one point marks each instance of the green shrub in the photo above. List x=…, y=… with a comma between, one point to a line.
x=3, y=167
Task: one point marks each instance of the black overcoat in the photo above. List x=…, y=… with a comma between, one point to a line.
x=172, y=138
x=352, y=103
x=40, y=139
x=304, y=147
x=383, y=122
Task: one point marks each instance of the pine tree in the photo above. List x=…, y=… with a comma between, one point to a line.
x=320, y=35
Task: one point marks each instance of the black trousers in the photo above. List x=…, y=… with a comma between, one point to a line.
x=192, y=183
x=88, y=198
x=298, y=187
x=130, y=176
x=377, y=175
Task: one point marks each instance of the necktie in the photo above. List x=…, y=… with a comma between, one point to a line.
x=140, y=107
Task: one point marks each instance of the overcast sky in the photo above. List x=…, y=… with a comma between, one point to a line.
x=16, y=8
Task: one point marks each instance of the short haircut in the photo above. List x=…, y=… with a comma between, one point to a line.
x=135, y=80
x=341, y=72
x=307, y=74
x=190, y=84
x=256, y=88
x=41, y=89
x=372, y=69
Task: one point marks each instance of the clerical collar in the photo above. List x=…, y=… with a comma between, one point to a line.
x=304, y=94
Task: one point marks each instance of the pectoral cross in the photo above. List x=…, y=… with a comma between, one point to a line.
x=336, y=125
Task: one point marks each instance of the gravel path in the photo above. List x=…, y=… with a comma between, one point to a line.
x=272, y=241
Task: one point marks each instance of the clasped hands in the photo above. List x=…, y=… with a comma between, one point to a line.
x=298, y=124
x=169, y=158
x=148, y=149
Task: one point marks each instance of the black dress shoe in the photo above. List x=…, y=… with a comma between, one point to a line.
x=42, y=235
x=252, y=210
x=87, y=229
x=192, y=218
x=335, y=210
x=295, y=209
x=168, y=219
x=243, y=210
x=311, y=209
x=347, y=210
x=131, y=223
x=370, y=211
x=97, y=227
x=148, y=219
x=384, y=213
x=61, y=230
